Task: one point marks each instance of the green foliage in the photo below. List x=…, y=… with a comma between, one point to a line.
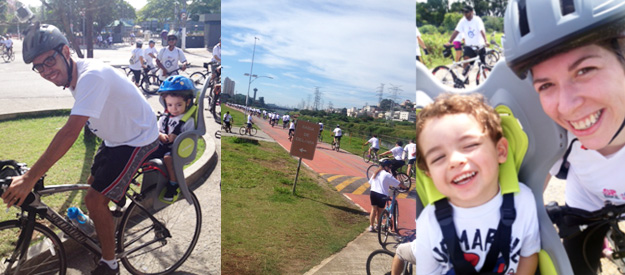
x=428, y=29
x=492, y=23
x=164, y=9
x=451, y=21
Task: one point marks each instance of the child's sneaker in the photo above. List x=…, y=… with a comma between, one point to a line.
x=171, y=192
x=104, y=269
x=371, y=229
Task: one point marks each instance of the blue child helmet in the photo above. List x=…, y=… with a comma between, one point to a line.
x=179, y=85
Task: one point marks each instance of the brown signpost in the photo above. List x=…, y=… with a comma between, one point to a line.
x=304, y=143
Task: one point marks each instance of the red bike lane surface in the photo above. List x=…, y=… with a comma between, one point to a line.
x=340, y=163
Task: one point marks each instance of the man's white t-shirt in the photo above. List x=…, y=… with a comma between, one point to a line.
x=118, y=113
x=418, y=48
x=593, y=178
x=411, y=150
x=320, y=126
x=472, y=31
x=249, y=118
x=375, y=143
x=475, y=227
x=381, y=183
x=170, y=59
x=292, y=125
x=8, y=43
x=337, y=132
x=136, y=53
x=398, y=152
x=227, y=118
x=146, y=55
x=217, y=53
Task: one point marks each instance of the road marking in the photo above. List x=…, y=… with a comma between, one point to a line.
x=345, y=183
x=330, y=179
x=362, y=189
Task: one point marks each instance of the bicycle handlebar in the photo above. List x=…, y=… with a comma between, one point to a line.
x=4, y=185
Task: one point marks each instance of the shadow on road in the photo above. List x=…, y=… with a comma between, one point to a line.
x=342, y=208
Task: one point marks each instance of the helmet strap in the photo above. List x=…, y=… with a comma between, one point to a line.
x=70, y=68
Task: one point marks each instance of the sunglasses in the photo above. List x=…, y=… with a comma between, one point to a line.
x=48, y=62
x=171, y=38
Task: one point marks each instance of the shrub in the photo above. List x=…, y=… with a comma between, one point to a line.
x=428, y=29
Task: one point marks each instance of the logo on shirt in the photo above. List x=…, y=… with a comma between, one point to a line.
x=471, y=33
x=610, y=194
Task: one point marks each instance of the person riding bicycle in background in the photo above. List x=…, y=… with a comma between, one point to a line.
x=472, y=28
x=320, y=128
x=215, y=68
x=285, y=120
x=461, y=145
x=177, y=94
x=575, y=61
x=291, y=129
x=150, y=54
x=112, y=108
x=137, y=63
x=338, y=133
x=8, y=45
x=380, y=182
x=228, y=120
x=398, y=155
x=375, y=144
x=249, y=123
x=411, y=152
x=169, y=57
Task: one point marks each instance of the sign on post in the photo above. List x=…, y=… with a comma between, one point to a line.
x=304, y=143
x=305, y=140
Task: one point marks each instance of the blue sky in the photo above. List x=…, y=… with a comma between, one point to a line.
x=346, y=48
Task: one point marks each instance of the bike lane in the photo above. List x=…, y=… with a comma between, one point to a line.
x=345, y=171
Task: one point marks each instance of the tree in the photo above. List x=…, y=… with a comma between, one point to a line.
x=344, y=112
x=164, y=10
x=431, y=12
x=451, y=21
x=386, y=104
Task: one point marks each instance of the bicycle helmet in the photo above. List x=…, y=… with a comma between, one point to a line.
x=172, y=34
x=39, y=39
x=536, y=30
x=178, y=85
x=385, y=162
x=139, y=43
x=151, y=42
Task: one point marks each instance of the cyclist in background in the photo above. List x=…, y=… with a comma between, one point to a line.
x=216, y=58
x=411, y=151
x=249, y=123
x=228, y=120
x=8, y=45
x=113, y=109
x=320, y=128
x=291, y=129
x=380, y=182
x=472, y=28
x=338, y=133
x=169, y=57
x=137, y=63
x=150, y=54
x=398, y=155
x=375, y=144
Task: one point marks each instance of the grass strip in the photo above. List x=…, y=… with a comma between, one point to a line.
x=266, y=230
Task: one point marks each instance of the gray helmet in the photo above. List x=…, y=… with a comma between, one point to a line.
x=172, y=33
x=539, y=29
x=40, y=39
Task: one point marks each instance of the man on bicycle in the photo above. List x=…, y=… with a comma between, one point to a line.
x=398, y=155
x=216, y=69
x=411, y=152
x=150, y=54
x=249, y=123
x=169, y=57
x=320, y=128
x=472, y=28
x=375, y=144
x=338, y=133
x=112, y=108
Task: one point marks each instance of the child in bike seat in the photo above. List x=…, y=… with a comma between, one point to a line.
x=460, y=148
x=398, y=156
x=177, y=94
x=380, y=182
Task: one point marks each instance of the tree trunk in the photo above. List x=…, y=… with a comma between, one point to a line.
x=89, y=27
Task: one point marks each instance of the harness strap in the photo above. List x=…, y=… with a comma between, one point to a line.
x=502, y=238
x=564, y=167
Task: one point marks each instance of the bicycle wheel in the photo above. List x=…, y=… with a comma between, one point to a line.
x=159, y=248
x=150, y=84
x=253, y=131
x=6, y=57
x=333, y=146
x=384, y=227
x=491, y=58
x=395, y=217
x=45, y=254
x=404, y=179
x=242, y=131
x=366, y=156
x=198, y=79
x=380, y=262
x=483, y=73
x=372, y=168
x=447, y=77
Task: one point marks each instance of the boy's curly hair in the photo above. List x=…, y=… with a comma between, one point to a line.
x=473, y=105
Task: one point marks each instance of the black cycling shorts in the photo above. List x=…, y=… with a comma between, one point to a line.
x=377, y=199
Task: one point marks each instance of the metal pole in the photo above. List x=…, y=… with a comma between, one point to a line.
x=299, y=164
x=249, y=83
